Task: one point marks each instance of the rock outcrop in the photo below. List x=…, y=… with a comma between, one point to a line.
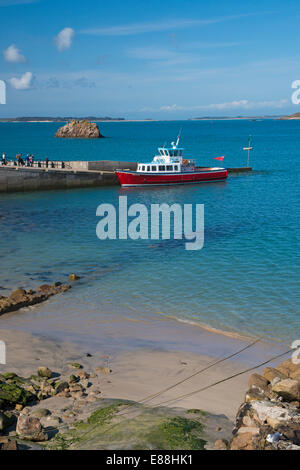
x=20, y=298
x=269, y=418
x=79, y=130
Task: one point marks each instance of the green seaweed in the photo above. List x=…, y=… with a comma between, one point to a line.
x=14, y=394
x=141, y=428
x=178, y=433
x=99, y=417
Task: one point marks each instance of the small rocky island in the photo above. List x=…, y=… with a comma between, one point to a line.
x=79, y=130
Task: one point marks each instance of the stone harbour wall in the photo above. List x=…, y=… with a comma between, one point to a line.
x=28, y=179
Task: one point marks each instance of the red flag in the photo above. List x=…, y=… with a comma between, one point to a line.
x=219, y=158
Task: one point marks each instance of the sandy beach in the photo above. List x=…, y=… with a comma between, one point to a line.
x=136, y=374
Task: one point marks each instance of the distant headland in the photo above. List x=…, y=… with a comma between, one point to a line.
x=291, y=116
x=58, y=119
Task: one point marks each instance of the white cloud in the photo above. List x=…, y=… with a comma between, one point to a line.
x=12, y=54
x=245, y=104
x=139, y=28
x=236, y=104
x=64, y=38
x=22, y=83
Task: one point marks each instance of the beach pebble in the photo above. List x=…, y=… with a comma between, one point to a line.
x=103, y=370
x=40, y=412
x=73, y=378
x=76, y=365
x=61, y=387
x=44, y=372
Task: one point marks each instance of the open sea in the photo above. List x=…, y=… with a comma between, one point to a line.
x=244, y=280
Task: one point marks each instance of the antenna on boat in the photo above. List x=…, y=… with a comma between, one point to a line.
x=178, y=137
x=249, y=148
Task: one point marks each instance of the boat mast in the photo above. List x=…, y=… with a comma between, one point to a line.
x=249, y=148
x=178, y=137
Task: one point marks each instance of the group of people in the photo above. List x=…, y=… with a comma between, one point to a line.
x=26, y=161
x=29, y=161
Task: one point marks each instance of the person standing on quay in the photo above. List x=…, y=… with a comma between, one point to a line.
x=47, y=161
x=3, y=159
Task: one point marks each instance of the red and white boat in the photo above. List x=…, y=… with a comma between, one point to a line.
x=169, y=167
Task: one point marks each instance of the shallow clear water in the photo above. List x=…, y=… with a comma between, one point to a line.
x=245, y=279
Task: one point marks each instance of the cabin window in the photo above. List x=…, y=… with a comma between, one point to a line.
x=175, y=168
x=143, y=168
x=153, y=168
x=162, y=168
x=169, y=168
x=148, y=168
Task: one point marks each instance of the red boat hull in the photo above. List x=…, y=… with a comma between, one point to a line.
x=133, y=178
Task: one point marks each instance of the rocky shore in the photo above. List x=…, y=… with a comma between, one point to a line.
x=20, y=298
x=60, y=411
x=22, y=418
x=269, y=418
x=79, y=129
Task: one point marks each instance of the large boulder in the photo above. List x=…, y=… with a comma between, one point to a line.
x=243, y=441
x=288, y=389
x=289, y=369
x=80, y=130
x=29, y=428
x=259, y=382
x=270, y=374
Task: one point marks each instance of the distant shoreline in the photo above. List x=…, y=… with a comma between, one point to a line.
x=213, y=118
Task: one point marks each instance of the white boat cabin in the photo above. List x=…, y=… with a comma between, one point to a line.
x=169, y=160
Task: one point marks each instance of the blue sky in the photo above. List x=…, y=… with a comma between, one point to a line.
x=140, y=59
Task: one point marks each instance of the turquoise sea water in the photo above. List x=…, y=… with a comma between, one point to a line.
x=245, y=279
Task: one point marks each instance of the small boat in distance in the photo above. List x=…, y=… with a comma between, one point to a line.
x=169, y=167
